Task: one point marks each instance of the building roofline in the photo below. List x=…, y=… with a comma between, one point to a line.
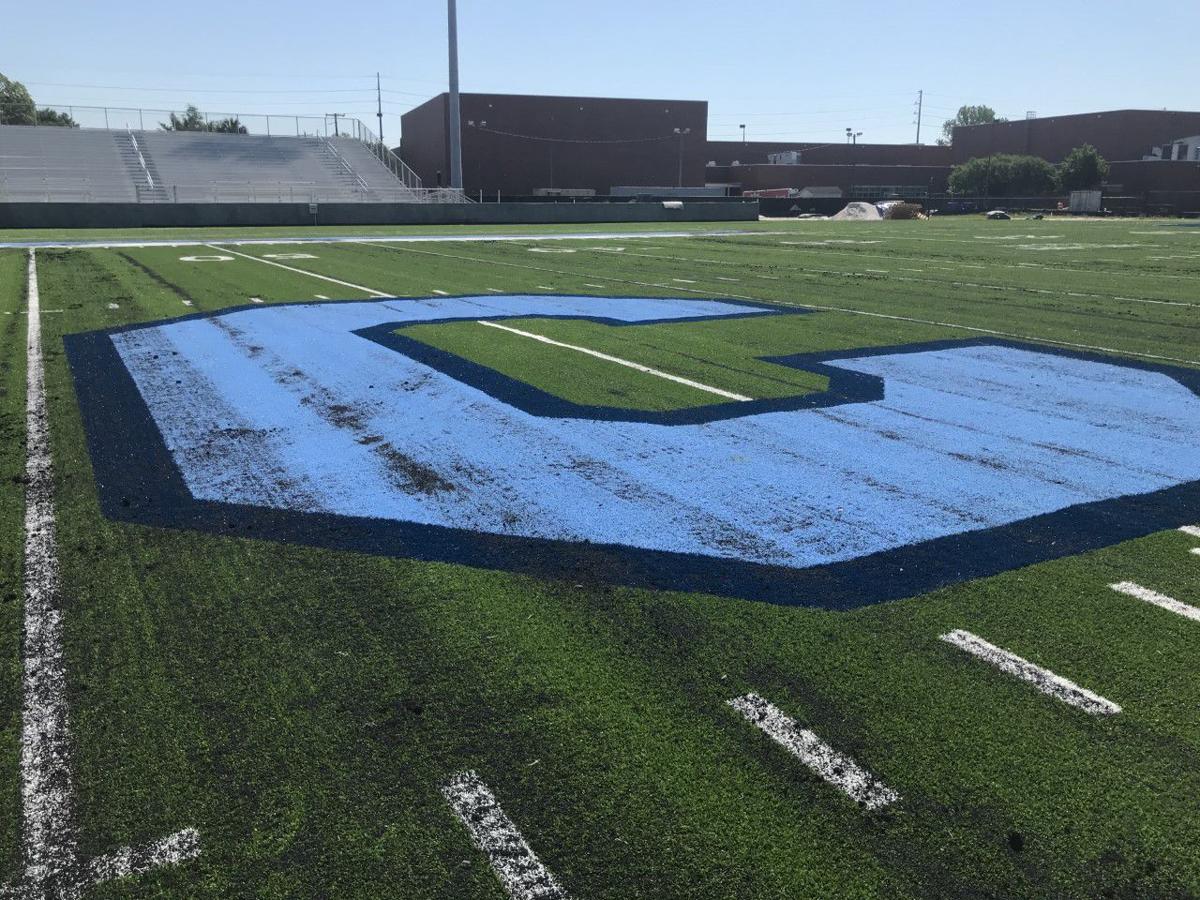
x=1084, y=115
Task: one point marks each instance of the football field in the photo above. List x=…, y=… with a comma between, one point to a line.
x=790, y=559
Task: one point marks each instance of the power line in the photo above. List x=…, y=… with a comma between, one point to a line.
x=115, y=87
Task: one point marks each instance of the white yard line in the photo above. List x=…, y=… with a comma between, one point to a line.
x=181, y=846
x=385, y=238
x=1195, y=551
x=493, y=832
x=836, y=768
x=1043, y=679
x=620, y=362
x=973, y=329
x=279, y=265
x=1192, y=530
x=1130, y=589
x=49, y=830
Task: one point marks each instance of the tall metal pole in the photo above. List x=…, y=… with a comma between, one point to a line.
x=920, y=105
x=379, y=106
x=456, y=170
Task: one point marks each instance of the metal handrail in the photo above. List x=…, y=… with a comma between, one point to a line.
x=141, y=159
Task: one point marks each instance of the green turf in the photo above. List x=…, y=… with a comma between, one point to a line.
x=301, y=707
x=726, y=359
x=325, y=231
x=12, y=508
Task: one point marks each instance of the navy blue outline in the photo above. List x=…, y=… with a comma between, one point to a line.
x=138, y=482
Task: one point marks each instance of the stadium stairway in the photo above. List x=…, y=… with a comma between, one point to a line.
x=142, y=171
x=340, y=171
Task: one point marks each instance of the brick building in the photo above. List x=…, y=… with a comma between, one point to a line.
x=520, y=144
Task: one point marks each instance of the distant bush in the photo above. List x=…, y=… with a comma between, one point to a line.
x=47, y=116
x=1004, y=175
x=1082, y=170
x=194, y=120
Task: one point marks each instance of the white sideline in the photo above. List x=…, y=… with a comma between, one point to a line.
x=49, y=833
x=1192, y=530
x=279, y=265
x=836, y=768
x=1042, y=679
x=493, y=832
x=1129, y=589
x=621, y=362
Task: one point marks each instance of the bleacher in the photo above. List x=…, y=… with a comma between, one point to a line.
x=47, y=164
x=53, y=164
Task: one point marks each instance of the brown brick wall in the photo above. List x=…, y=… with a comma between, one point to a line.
x=1124, y=134
x=598, y=143
x=753, y=152
x=753, y=178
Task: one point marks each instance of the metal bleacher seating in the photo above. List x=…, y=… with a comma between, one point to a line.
x=53, y=164
x=47, y=164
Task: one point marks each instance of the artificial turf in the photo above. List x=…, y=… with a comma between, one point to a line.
x=301, y=707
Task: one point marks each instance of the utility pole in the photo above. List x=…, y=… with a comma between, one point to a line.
x=456, y=171
x=743, y=127
x=920, y=107
x=336, y=133
x=379, y=107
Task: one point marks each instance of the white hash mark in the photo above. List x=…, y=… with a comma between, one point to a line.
x=1129, y=589
x=493, y=832
x=836, y=768
x=1043, y=679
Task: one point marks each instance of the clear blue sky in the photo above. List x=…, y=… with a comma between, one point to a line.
x=788, y=70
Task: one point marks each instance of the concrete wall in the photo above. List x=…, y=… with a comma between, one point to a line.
x=1123, y=134
x=597, y=142
x=723, y=153
x=199, y=215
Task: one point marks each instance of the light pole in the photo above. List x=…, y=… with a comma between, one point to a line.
x=681, y=132
x=456, y=172
x=852, y=137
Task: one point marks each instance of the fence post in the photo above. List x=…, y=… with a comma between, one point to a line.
x=106, y=118
x=141, y=122
x=297, y=126
x=268, y=126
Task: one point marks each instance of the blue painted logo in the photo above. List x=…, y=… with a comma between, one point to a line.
x=918, y=467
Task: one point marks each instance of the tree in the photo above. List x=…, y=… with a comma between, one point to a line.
x=191, y=120
x=1004, y=175
x=969, y=115
x=194, y=120
x=1083, y=169
x=16, y=106
x=228, y=126
x=47, y=116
